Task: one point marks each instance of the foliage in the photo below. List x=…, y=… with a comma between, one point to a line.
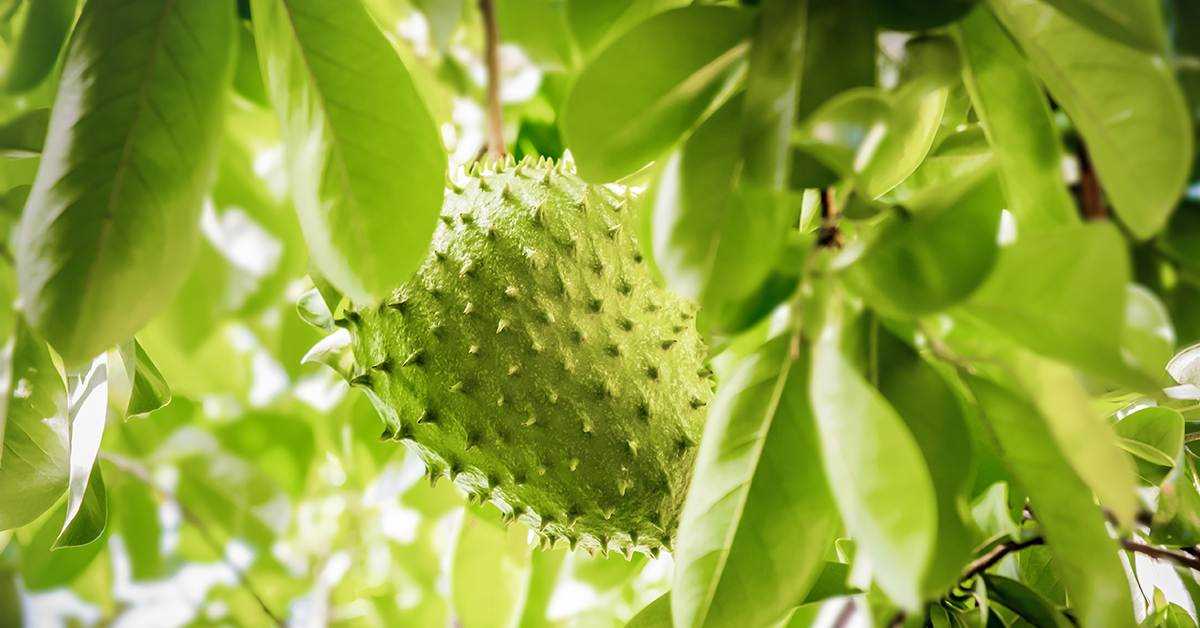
x=942, y=256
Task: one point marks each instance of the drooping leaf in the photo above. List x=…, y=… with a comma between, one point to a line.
x=1125, y=103
x=922, y=263
x=491, y=571
x=87, y=510
x=33, y=464
x=891, y=510
x=43, y=567
x=616, y=122
x=758, y=516
x=364, y=156
x=1072, y=524
x=25, y=134
x=892, y=152
x=1016, y=118
x=91, y=519
x=1136, y=23
x=47, y=23
x=110, y=228
x=932, y=411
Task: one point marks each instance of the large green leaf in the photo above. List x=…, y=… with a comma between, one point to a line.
x=1062, y=294
x=926, y=262
x=595, y=23
x=1071, y=521
x=890, y=509
x=932, y=411
x=616, y=121
x=47, y=23
x=33, y=462
x=1025, y=602
x=490, y=572
x=1014, y=114
x=1135, y=23
x=365, y=160
x=839, y=52
x=87, y=510
x=758, y=518
x=110, y=228
x=1125, y=103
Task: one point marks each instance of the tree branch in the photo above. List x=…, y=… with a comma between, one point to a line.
x=1091, y=198
x=1180, y=558
x=997, y=553
x=829, y=235
x=495, y=123
x=136, y=470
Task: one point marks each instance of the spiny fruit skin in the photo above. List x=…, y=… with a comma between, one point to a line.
x=534, y=361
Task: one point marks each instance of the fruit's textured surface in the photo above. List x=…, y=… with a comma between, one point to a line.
x=534, y=361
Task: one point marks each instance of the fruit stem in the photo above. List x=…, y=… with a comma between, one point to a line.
x=495, y=125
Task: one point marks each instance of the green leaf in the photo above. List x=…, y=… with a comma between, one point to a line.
x=247, y=77
x=1136, y=23
x=136, y=519
x=47, y=23
x=1154, y=434
x=1014, y=114
x=1148, y=338
x=111, y=225
x=1176, y=521
x=839, y=51
x=656, y=614
x=87, y=509
x=758, y=517
x=893, y=151
x=33, y=464
x=961, y=162
x=1062, y=294
x=135, y=385
x=1124, y=102
x=540, y=28
x=831, y=582
x=1025, y=602
x=836, y=131
x=615, y=121
x=1085, y=438
x=545, y=568
x=1072, y=523
x=226, y=491
x=891, y=511
x=280, y=444
x=922, y=263
x=24, y=134
x=1169, y=616
x=90, y=521
x=931, y=409
x=10, y=598
x=43, y=567
x=596, y=23
x=920, y=15
x=490, y=571
x=364, y=156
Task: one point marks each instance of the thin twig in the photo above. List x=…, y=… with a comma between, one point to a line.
x=988, y=560
x=829, y=235
x=495, y=123
x=845, y=615
x=1186, y=560
x=136, y=470
x=1091, y=198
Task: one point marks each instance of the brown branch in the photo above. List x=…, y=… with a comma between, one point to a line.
x=845, y=614
x=1091, y=197
x=1180, y=558
x=495, y=123
x=136, y=470
x=995, y=555
x=829, y=235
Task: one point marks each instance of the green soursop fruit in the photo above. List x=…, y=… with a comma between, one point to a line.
x=534, y=361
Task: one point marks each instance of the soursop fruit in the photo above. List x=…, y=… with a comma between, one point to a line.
x=534, y=361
